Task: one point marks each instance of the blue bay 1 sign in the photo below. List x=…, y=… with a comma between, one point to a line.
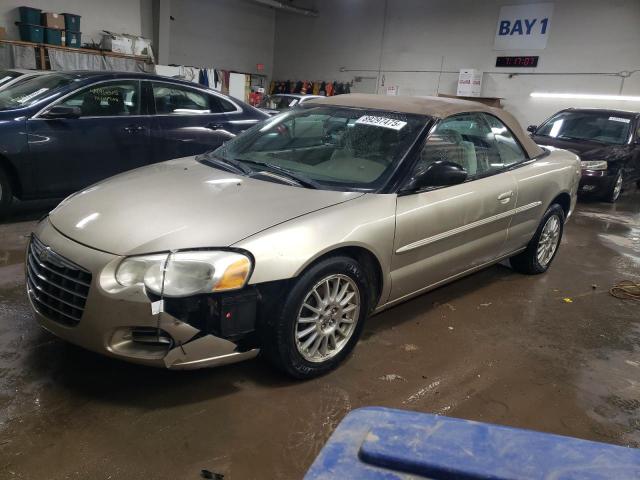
x=523, y=27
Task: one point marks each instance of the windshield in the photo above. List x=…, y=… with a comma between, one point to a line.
x=593, y=126
x=278, y=102
x=329, y=147
x=26, y=93
x=7, y=76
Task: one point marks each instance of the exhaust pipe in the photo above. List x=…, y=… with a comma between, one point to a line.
x=288, y=8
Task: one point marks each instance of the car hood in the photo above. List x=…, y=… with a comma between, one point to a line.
x=181, y=204
x=587, y=150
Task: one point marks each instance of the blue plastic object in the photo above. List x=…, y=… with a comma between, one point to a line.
x=30, y=15
x=71, y=22
x=52, y=36
x=31, y=33
x=379, y=443
x=72, y=39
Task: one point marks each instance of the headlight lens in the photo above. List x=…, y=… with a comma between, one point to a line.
x=594, y=164
x=182, y=274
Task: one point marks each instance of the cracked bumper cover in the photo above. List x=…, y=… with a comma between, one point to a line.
x=110, y=318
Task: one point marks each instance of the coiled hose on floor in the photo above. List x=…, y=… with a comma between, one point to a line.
x=626, y=290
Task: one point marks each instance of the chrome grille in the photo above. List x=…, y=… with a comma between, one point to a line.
x=57, y=287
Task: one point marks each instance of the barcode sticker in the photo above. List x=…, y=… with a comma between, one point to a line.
x=620, y=119
x=383, y=122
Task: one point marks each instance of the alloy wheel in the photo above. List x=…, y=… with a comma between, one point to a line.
x=549, y=239
x=617, y=188
x=327, y=318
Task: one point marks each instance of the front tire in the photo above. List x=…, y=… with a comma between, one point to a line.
x=6, y=193
x=616, y=188
x=320, y=320
x=543, y=247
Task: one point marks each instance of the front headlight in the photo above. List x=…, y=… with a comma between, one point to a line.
x=594, y=164
x=182, y=274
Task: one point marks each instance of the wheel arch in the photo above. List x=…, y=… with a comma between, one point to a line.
x=564, y=200
x=364, y=256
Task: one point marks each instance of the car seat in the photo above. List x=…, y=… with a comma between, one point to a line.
x=90, y=105
x=115, y=103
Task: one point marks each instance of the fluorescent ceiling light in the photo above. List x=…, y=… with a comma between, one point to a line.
x=585, y=96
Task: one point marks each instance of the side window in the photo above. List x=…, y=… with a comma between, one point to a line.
x=465, y=140
x=225, y=106
x=107, y=99
x=179, y=100
x=508, y=147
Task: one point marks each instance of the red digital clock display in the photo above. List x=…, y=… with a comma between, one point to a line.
x=517, y=62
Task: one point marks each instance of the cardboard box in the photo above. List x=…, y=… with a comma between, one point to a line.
x=469, y=83
x=53, y=20
x=142, y=46
x=117, y=43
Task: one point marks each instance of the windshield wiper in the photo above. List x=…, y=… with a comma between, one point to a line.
x=226, y=164
x=567, y=137
x=301, y=180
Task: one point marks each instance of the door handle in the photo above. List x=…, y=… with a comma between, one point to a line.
x=505, y=197
x=133, y=128
x=214, y=126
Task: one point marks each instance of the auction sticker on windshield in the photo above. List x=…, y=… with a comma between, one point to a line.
x=26, y=98
x=384, y=122
x=620, y=119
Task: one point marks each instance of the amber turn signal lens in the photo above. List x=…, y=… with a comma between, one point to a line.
x=234, y=276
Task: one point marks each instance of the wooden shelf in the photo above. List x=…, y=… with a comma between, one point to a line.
x=41, y=47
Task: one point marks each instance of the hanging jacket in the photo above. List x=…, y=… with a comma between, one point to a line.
x=329, y=89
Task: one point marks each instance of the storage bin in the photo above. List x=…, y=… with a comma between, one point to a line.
x=31, y=33
x=30, y=15
x=71, y=22
x=52, y=36
x=73, y=39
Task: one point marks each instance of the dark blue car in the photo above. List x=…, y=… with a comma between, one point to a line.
x=63, y=131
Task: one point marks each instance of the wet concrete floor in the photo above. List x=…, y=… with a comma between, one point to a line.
x=555, y=353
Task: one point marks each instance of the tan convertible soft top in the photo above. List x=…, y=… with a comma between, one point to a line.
x=437, y=107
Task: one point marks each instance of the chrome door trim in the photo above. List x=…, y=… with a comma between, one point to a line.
x=446, y=280
x=465, y=228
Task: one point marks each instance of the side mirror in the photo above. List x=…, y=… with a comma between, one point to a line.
x=532, y=128
x=63, y=111
x=440, y=174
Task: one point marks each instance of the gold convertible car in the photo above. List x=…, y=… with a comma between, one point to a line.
x=285, y=239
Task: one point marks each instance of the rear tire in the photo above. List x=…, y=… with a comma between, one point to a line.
x=295, y=341
x=543, y=247
x=6, y=193
x=616, y=188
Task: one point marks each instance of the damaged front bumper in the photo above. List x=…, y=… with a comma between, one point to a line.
x=72, y=289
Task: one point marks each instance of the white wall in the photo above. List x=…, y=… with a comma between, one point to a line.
x=122, y=16
x=585, y=36
x=228, y=34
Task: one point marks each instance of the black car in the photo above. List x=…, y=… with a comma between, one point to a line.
x=607, y=142
x=63, y=131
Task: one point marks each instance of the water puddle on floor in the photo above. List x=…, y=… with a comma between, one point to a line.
x=609, y=389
